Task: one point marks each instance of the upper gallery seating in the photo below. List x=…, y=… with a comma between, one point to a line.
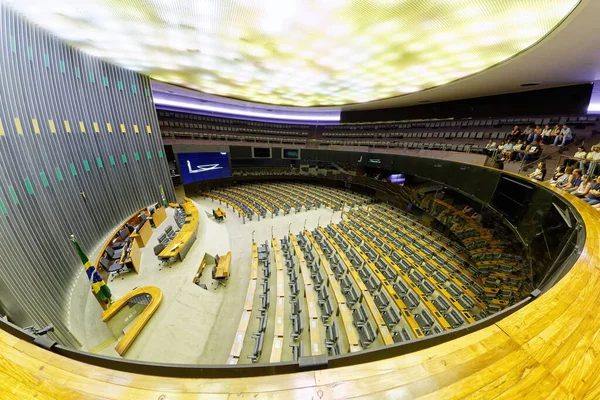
x=467, y=135
x=397, y=129
x=199, y=124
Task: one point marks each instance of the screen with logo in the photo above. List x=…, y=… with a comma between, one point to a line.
x=202, y=166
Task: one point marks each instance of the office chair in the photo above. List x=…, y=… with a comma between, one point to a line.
x=114, y=254
x=170, y=232
x=113, y=269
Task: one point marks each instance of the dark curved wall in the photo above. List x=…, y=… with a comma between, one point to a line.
x=68, y=123
x=568, y=100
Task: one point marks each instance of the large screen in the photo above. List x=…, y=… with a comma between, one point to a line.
x=202, y=166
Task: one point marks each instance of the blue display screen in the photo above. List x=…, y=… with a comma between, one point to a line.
x=202, y=166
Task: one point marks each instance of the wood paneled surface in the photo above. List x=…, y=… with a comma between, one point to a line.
x=546, y=350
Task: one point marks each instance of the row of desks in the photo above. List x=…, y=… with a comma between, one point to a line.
x=241, y=199
x=336, y=195
x=256, y=196
x=377, y=220
x=238, y=341
x=344, y=311
x=370, y=303
x=382, y=213
x=385, y=209
x=445, y=294
x=445, y=325
x=186, y=236
x=226, y=201
x=305, y=192
x=395, y=298
x=316, y=347
x=279, y=305
x=277, y=198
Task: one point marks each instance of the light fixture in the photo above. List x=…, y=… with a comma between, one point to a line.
x=313, y=115
x=293, y=52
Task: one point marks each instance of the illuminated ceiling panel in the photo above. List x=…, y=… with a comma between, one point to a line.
x=301, y=52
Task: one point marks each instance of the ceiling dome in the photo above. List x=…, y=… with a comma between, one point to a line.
x=301, y=52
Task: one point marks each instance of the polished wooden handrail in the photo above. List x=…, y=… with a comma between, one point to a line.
x=547, y=349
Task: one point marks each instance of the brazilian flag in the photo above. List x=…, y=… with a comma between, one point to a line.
x=99, y=288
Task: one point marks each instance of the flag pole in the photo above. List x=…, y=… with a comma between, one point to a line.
x=99, y=288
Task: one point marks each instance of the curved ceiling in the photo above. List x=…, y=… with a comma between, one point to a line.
x=302, y=52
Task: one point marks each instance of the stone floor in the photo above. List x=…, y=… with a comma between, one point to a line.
x=193, y=325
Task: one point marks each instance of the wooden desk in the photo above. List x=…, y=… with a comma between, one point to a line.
x=250, y=296
x=312, y=304
x=160, y=214
x=279, y=316
x=348, y=326
x=141, y=321
x=238, y=341
x=280, y=284
x=220, y=213
x=143, y=234
x=276, y=350
x=200, y=270
x=223, y=266
x=316, y=347
x=186, y=236
x=131, y=257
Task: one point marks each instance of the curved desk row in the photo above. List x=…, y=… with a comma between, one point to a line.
x=185, y=238
x=547, y=349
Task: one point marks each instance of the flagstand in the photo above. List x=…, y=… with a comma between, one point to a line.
x=94, y=278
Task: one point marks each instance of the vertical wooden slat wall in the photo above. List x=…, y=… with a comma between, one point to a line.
x=57, y=108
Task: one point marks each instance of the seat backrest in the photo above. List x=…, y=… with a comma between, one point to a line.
x=104, y=262
x=110, y=251
x=335, y=331
x=158, y=249
x=124, y=233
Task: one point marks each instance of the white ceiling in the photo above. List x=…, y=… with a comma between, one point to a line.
x=566, y=56
x=569, y=55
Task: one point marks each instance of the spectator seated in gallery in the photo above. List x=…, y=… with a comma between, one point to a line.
x=490, y=147
x=575, y=181
x=507, y=149
x=540, y=172
x=565, y=136
x=584, y=187
x=515, y=134
x=578, y=158
x=516, y=150
x=536, y=135
x=565, y=178
x=558, y=172
x=532, y=152
x=593, y=196
x=546, y=134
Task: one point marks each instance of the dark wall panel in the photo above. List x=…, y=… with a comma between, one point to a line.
x=567, y=100
x=69, y=123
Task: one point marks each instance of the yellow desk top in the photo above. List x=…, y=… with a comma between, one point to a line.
x=223, y=266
